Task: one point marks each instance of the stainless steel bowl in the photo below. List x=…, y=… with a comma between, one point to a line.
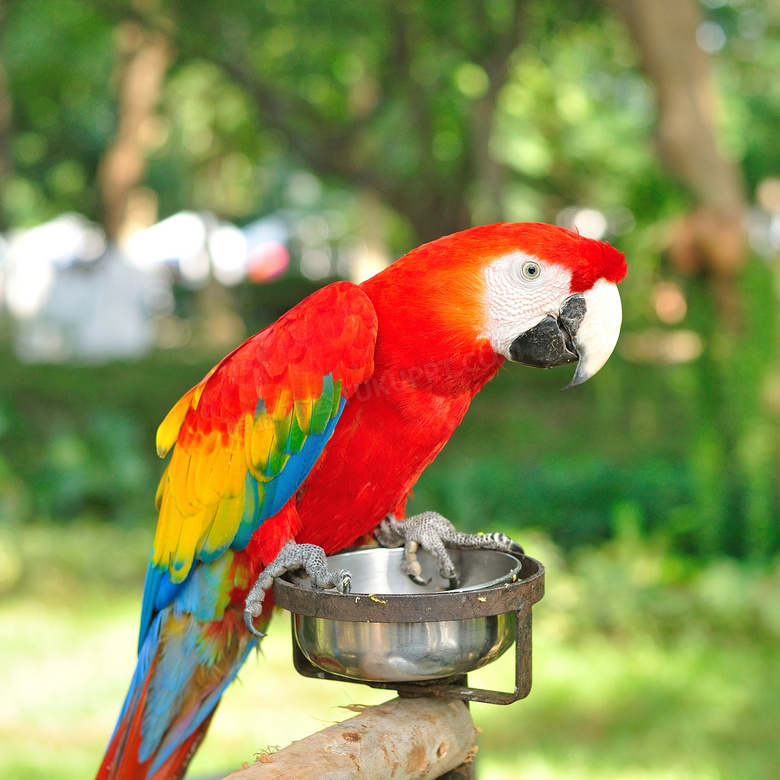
x=379, y=647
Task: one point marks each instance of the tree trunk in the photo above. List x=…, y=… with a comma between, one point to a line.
x=712, y=239
x=144, y=59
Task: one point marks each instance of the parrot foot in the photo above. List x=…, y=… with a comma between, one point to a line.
x=293, y=557
x=435, y=533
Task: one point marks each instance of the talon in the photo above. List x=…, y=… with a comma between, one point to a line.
x=250, y=626
x=454, y=582
x=293, y=557
x=346, y=582
x=418, y=580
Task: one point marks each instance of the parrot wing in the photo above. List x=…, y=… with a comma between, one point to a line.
x=249, y=433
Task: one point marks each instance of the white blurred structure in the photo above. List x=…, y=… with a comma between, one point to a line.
x=197, y=245
x=70, y=296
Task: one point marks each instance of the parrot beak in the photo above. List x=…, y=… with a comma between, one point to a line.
x=586, y=329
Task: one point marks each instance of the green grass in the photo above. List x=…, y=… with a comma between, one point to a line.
x=645, y=667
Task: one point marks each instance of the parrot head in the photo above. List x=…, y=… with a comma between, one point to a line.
x=531, y=293
x=552, y=299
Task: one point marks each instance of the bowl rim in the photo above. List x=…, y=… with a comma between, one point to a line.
x=461, y=604
x=397, y=552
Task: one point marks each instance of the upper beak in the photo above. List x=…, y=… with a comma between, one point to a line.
x=586, y=329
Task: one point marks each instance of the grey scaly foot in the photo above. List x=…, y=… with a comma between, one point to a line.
x=292, y=557
x=435, y=533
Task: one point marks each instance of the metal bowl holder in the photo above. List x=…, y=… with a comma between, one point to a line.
x=517, y=597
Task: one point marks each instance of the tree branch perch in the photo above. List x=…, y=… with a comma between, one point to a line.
x=402, y=738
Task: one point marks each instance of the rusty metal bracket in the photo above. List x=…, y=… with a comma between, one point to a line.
x=517, y=597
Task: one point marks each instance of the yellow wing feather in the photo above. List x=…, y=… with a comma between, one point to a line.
x=169, y=428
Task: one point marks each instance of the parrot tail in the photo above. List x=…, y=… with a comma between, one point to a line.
x=122, y=766
x=184, y=666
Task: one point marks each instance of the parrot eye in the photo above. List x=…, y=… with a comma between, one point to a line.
x=531, y=270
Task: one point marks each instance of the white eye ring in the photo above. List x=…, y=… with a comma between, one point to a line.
x=531, y=270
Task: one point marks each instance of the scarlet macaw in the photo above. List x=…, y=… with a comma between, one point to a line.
x=314, y=431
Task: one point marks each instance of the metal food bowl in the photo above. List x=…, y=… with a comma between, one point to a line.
x=390, y=630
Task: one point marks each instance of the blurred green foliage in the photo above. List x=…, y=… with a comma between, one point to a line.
x=80, y=441
x=387, y=97
x=63, y=117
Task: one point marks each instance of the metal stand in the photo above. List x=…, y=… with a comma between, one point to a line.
x=517, y=597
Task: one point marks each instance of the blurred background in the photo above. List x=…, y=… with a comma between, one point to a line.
x=174, y=175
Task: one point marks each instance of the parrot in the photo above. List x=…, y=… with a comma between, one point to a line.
x=310, y=436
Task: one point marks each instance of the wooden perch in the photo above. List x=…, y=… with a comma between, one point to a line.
x=400, y=739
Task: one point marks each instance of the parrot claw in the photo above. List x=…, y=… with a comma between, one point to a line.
x=292, y=557
x=346, y=582
x=435, y=533
x=250, y=626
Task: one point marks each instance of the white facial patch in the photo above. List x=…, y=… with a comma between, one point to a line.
x=521, y=291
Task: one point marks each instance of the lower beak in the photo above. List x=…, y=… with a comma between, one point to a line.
x=586, y=329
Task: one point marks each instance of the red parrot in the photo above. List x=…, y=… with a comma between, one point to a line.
x=311, y=435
